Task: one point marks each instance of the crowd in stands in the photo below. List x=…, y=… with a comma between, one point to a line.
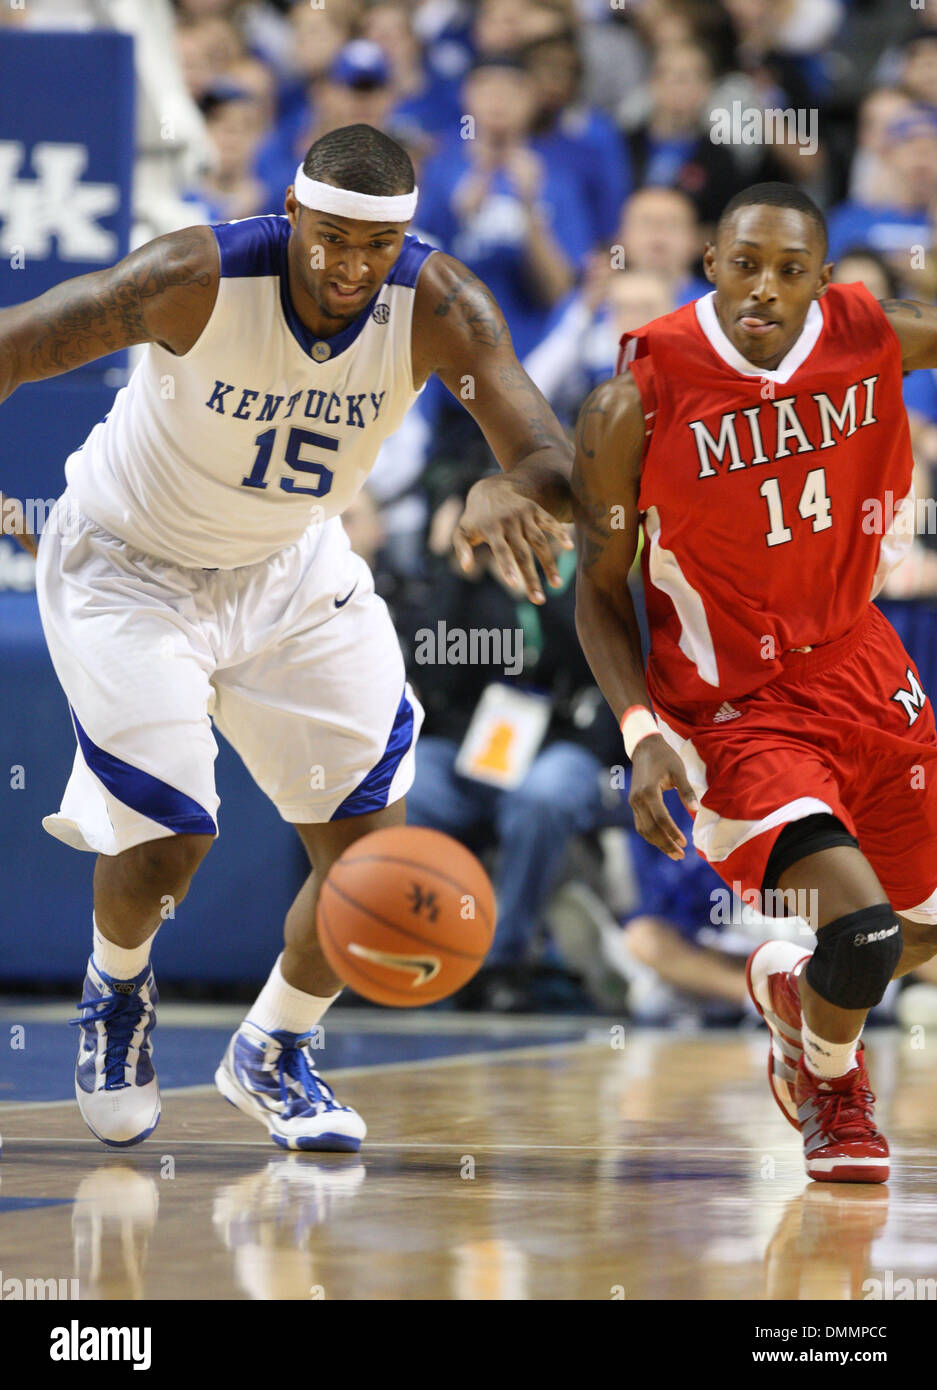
x=569, y=152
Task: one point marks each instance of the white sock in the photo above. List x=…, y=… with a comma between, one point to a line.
x=827, y=1059
x=117, y=961
x=281, y=1007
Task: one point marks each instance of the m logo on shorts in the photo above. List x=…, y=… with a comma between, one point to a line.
x=912, y=701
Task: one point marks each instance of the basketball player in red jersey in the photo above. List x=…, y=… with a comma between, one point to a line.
x=759, y=438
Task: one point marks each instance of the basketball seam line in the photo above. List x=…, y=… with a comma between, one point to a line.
x=452, y=950
x=415, y=864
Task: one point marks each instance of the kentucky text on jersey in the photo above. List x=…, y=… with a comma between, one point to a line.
x=356, y=411
x=779, y=420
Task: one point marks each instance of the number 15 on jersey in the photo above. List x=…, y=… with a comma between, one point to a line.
x=298, y=439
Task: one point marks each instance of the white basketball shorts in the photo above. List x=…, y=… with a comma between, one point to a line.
x=295, y=659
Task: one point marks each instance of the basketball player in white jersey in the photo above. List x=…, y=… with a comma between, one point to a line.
x=196, y=569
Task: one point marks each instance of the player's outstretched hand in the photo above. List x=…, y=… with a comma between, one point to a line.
x=516, y=528
x=655, y=768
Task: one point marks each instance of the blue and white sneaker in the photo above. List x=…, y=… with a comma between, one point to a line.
x=115, y=1084
x=273, y=1078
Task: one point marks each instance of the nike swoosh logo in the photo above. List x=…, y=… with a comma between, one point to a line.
x=340, y=602
x=425, y=968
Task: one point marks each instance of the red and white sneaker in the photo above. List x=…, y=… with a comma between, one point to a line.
x=774, y=992
x=841, y=1143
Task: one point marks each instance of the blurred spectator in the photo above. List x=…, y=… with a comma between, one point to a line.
x=615, y=56
x=685, y=946
x=672, y=148
x=422, y=102
x=897, y=226
x=230, y=189
x=501, y=27
x=659, y=232
x=871, y=178
x=860, y=264
x=196, y=58
x=781, y=42
x=581, y=349
x=919, y=76
x=315, y=38
x=356, y=88
x=579, y=138
x=208, y=48
x=790, y=26
x=444, y=28
x=916, y=66
x=257, y=79
x=560, y=795
x=511, y=216
x=664, y=23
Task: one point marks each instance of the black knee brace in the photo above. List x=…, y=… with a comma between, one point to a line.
x=856, y=957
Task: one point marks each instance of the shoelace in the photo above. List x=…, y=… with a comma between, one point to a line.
x=293, y=1063
x=122, y=1014
x=847, y=1113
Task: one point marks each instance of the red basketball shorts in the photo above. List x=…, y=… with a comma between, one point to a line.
x=845, y=729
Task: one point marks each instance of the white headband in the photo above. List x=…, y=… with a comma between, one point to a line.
x=364, y=207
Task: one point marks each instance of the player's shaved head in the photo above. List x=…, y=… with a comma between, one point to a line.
x=362, y=159
x=775, y=195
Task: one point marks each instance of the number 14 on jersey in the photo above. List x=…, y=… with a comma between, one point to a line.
x=814, y=502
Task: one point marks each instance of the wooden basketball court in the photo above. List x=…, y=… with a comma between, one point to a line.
x=592, y=1166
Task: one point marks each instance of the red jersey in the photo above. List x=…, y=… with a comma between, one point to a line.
x=773, y=503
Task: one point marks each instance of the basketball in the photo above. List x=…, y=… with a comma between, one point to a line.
x=406, y=916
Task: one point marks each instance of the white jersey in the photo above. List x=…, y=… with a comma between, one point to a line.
x=224, y=455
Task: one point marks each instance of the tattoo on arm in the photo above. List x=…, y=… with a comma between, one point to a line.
x=591, y=517
x=476, y=308
x=589, y=409
x=78, y=322
x=543, y=428
x=895, y=306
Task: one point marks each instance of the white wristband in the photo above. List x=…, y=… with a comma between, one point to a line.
x=636, y=724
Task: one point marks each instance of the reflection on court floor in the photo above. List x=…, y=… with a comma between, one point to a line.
x=589, y=1166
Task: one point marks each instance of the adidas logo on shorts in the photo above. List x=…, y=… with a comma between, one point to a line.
x=724, y=712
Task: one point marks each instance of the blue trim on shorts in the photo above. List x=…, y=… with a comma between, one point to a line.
x=144, y=793
x=371, y=794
